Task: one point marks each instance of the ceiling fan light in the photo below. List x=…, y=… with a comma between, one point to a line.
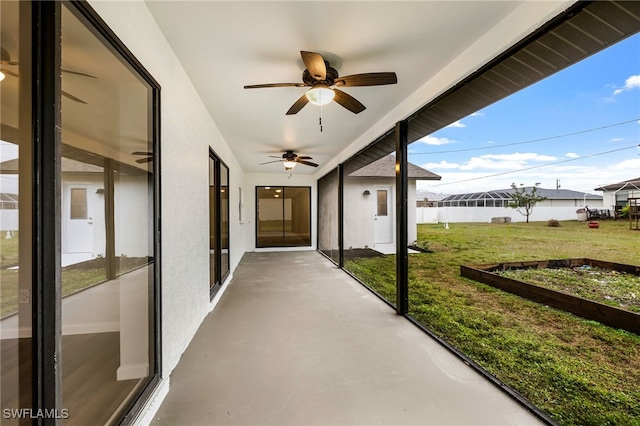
x=288, y=165
x=320, y=95
x=1, y=76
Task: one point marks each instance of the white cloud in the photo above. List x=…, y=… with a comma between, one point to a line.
x=492, y=162
x=520, y=157
x=458, y=124
x=630, y=83
x=616, y=139
x=630, y=164
x=441, y=165
x=432, y=140
x=571, y=155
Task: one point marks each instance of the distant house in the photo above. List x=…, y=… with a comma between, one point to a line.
x=615, y=196
x=370, y=197
x=561, y=204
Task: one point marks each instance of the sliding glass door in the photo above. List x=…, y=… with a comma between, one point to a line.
x=218, y=222
x=79, y=317
x=283, y=216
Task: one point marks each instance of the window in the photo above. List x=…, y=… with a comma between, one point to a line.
x=78, y=201
x=382, y=202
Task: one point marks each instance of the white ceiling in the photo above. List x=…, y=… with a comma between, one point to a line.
x=226, y=45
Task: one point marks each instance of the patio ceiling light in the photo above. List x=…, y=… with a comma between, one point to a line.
x=320, y=94
x=289, y=164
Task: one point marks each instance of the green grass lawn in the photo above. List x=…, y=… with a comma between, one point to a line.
x=578, y=371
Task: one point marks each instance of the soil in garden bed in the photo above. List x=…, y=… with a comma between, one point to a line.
x=602, y=285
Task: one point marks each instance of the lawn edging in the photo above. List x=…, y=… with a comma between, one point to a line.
x=588, y=309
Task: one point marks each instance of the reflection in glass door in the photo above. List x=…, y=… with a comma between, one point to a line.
x=107, y=239
x=16, y=169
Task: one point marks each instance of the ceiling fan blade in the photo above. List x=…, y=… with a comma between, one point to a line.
x=315, y=65
x=141, y=153
x=307, y=163
x=11, y=73
x=348, y=101
x=269, y=162
x=261, y=86
x=79, y=73
x=367, y=79
x=305, y=157
x=298, y=105
x=73, y=98
x=144, y=160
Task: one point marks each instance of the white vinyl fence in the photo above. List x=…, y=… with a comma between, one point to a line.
x=484, y=214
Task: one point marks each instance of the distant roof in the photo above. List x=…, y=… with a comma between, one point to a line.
x=550, y=194
x=386, y=167
x=627, y=184
x=6, y=197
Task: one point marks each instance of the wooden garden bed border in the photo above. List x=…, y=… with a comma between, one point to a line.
x=605, y=314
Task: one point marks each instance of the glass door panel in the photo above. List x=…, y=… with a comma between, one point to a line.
x=297, y=216
x=224, y=221
x=270, y=217
x=214, y=276
x=15, y=211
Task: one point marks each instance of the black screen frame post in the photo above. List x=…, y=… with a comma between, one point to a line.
x=46, y=301
x=402, y=191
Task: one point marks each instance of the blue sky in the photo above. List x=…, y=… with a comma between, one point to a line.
x=598, y=98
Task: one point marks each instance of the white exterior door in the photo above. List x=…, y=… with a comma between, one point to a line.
x=78, y=223
x=383, y=217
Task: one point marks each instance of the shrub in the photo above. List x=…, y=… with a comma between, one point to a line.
x=553, y=223
x=624, y=212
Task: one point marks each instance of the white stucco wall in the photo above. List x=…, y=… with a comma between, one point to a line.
x=187, y=132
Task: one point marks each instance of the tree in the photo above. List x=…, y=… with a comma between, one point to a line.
x=523, y=199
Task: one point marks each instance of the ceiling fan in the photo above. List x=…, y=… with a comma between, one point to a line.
x=5, y=59
x=148, y=156
x=324, y=82
x=290, y=159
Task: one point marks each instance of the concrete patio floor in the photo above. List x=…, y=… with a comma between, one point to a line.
x=297, y=341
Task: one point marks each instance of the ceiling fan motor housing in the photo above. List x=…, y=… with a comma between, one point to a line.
x=289, y=155
x=309, y=80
